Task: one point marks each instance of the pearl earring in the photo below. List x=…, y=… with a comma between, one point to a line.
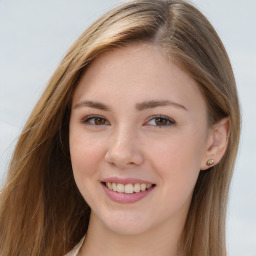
x=210, y=162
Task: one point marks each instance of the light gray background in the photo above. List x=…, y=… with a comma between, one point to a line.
x=34, y=36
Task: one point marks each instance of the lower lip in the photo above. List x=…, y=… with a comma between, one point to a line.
x=126, y=198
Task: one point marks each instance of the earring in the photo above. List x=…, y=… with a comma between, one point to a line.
x=210, y=162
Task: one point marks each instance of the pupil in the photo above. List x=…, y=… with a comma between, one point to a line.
x=160, y=121
x=99, y=121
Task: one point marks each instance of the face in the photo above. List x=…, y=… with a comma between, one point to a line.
x=139, y=126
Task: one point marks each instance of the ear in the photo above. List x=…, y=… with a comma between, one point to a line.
x=216, y=143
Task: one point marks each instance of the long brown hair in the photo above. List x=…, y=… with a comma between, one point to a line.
x=41, y=209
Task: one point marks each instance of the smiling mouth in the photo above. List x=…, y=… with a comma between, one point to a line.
x=127, y=188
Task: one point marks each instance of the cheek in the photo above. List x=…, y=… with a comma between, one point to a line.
x=86, y=154
x=177, y=162
x=178, y=153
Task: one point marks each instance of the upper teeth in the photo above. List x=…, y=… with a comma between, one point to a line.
x=128, y=188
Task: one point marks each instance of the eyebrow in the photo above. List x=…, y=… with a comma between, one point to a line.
x=139, y=106
x=158, y=103
x=92, y=104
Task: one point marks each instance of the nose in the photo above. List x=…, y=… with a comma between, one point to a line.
x=124, y=150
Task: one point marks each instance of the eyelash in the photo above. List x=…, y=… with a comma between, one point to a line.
x=87, y=120
x=168, y=120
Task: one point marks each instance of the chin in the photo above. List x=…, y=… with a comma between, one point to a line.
x=123, y=224
x=127, y=229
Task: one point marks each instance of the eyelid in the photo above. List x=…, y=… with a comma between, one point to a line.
x=86, y=119
x=170, y=120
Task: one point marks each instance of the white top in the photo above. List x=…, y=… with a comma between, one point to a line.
x=76, y=249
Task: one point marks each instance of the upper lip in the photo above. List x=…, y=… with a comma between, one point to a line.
x=126, y=181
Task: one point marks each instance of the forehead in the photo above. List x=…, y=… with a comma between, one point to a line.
x=137, y=72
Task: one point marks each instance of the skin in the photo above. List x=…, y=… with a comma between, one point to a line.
x=129, y=142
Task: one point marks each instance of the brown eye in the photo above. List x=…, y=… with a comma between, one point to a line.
x=160, y=121
x=96, y=120
x=99, y=121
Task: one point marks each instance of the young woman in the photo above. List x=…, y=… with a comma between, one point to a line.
x=131, y=148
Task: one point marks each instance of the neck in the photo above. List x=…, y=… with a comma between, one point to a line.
x=162, y=241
